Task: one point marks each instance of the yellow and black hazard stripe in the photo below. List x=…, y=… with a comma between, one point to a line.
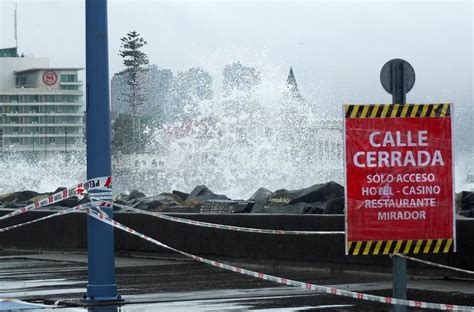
x=397, y=110
x=400, y=247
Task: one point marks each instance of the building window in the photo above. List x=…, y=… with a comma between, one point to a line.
x=67, y=87
x=69, y=78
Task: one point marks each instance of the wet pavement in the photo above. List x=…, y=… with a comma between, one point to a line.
x=173, y=283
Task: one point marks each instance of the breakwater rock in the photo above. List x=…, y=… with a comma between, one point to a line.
x=324, y=198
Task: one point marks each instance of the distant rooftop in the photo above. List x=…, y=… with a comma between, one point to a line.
x=47, y=68
x=292, y=85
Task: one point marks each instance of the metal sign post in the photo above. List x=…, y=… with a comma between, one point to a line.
x=398, y=78
x=100, y=236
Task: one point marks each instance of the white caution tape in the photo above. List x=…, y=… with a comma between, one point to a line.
x=10, y=300
x=284, y=281
x=59, y=213
x=434, y=264
x=227, y=227
x=102, y=184
x=78, y=208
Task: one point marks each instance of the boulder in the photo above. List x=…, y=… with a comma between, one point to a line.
x=202, y=193
x=69, y=202
x=59, y=189
x=157, y=202
x=260, y=197
x=135, y=194
x=120, y=198
x=334, y=206
x=467, y=200
x=19, y=197
x=181, y=195
x=316, y=193
x=467, y=213
x=319, y=198
x=14, y=205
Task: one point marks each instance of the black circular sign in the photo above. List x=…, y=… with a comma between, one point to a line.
x=396, y=64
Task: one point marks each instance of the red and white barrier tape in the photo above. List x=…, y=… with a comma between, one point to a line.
x=102, y=185
x=227, y=227
x=284, y=281
x=266, y=231
x=59, y=213
x=434, y=264
x=10, y=300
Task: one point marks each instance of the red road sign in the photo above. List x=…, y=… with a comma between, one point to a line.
x=399, y=184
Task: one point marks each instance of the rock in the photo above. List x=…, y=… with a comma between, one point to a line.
x=68, y=202
x=465, y=204
x=157, y=202
x=19, y=197
x=317, y=193
x=2, y=196
x=260, y=198
x=467, y=213
x=181, y=195
x=135, y=194
x=334, y=206
x=122, y=197
x=202, y=193
x=59, y=189
x=84, y=200
x=467, y=200
x=39, y=197
x=319, y=198
x=14, y=205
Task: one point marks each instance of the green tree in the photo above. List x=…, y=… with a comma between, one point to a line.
x=122, y=128
x=134, y=60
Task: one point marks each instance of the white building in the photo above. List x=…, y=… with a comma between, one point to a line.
x=41, y=107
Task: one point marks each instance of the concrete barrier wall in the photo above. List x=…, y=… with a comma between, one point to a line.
x=69, y=233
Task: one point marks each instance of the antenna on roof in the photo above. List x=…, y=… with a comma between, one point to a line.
x=15, y=21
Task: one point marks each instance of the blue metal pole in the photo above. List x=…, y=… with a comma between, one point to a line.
x=100, y=236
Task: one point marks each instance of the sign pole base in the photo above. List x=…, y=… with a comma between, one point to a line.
x=101, y=293
x=399, y=275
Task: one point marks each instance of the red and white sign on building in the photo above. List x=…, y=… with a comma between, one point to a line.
x=399, y=179
x=50, y=77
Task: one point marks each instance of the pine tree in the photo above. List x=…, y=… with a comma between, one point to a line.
x=134, y=60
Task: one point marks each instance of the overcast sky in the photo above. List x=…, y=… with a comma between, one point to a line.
x=336, y=48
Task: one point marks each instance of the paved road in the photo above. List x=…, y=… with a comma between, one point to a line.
x=178, y=284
